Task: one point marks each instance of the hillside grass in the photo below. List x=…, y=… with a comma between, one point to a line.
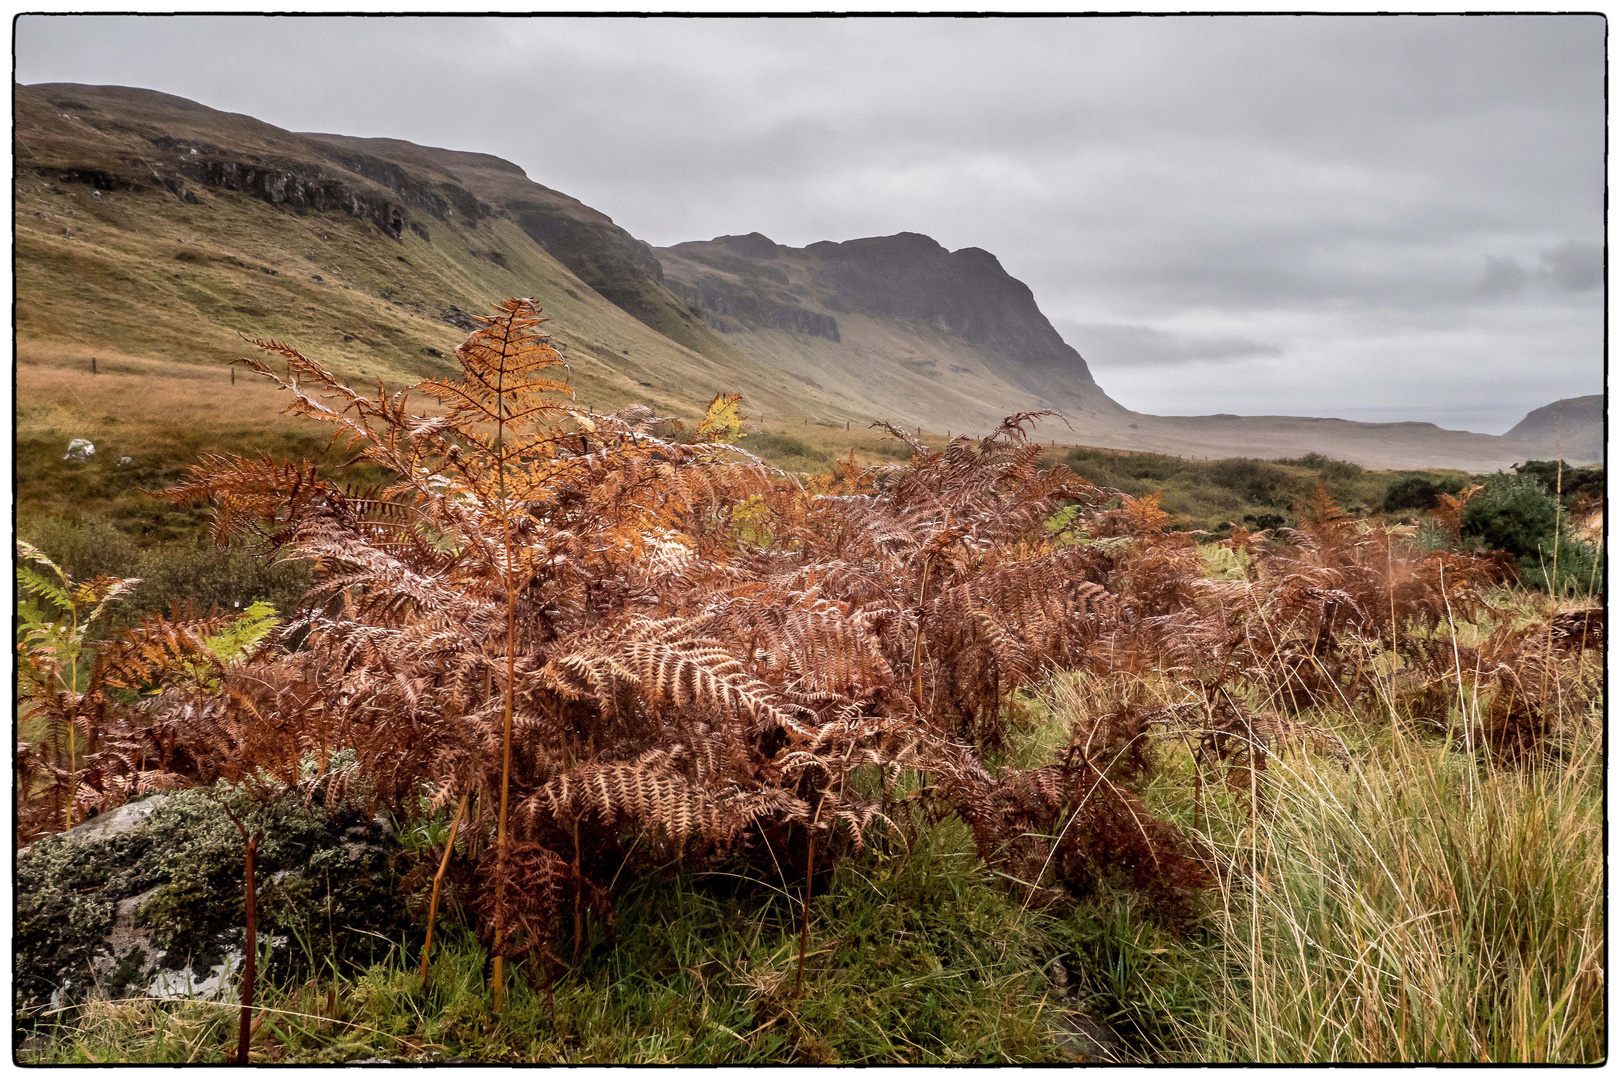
x=157, y=287
x=1423, y=904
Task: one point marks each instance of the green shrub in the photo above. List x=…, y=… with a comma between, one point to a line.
x=895, y=449
x=1573, y=484
x=1515, y=513
x=788, y=451
x=1154, y=466
x=85, y=549
x=1578, y=570
x=230, y=578
x=1330, y=468
x=1253, y=481
x=1417, y=492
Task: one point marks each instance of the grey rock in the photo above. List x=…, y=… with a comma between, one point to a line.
x=458, y=318
x=146, y=899
x=113, y=823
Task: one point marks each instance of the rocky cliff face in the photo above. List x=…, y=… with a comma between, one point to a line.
x=146, y=139
x=965, y=293
x=283, y=186
x=953, y=326
x=738, y=289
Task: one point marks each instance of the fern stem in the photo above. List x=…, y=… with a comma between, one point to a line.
x=804, y=922
x=498, y=975
x=916, y=649
x=73, y=694
x=579, y=920
x=438, y=879
x=244, y=1028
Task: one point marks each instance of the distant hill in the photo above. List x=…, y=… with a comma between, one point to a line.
x=153, y=233
x=896, y=325
x=1574, y=425
x=152, y=228
x=949, y=339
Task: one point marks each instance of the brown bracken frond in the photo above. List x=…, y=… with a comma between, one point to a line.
x=619, y=649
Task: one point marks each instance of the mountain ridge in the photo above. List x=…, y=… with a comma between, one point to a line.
x=898, y=321
x=169, y=223
x=140, y=217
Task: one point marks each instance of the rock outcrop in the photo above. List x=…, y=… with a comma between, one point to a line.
x=148, y=899
x=285, y=187
x=946, y=335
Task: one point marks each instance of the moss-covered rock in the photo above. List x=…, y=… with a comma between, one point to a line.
x=149, y=898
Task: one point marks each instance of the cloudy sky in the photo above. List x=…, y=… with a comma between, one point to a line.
x=1375, y=218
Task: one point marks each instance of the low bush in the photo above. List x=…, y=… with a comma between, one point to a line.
x=1572, y=482
x=1516, y=513
x=208, y=576
x=85, y=548
x=188, y=571
x=786, y=450
x=1417, y=492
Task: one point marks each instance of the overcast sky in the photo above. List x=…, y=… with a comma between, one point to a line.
x=1375, y=218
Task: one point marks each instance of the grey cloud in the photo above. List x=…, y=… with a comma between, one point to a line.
x=1573, y=266
x=1123, y=345
x=1504, y=276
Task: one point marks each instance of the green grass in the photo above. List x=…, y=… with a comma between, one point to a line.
x=915, y=957
x=1425, y=907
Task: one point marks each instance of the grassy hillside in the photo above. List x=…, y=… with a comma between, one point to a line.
x=123, y=255
x=153, y=232
x=1573, y=425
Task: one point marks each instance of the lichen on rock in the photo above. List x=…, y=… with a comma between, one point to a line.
x=148, y=899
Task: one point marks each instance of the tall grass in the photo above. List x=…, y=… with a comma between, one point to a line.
x=1424, y=906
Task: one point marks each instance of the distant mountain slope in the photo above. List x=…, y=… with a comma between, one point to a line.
x=1574, y=425
x=897, y=323
x=604, y=256
x=952, y=341
x=152, y=227
x=1403, y=445
x=153, y=231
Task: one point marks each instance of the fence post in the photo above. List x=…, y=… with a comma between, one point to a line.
x=92, y=365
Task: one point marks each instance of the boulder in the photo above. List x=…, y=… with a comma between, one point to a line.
x=458, y=318
x=80, y=450
x=147, y=899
